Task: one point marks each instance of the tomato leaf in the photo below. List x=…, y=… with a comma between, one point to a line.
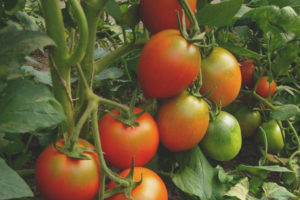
x=12, y=186
x=113, y=9
x=240, y=190
x=41, y=76
x=295, y=4
x=240, y=51
x=15, y=45
x=274, y=191
x=285, y=112
x=197, y=177
x=26, y=106
x=225, y=9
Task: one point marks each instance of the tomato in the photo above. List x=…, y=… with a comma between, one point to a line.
x=264, y=88
x=221, y=73
x=151, y=188
x=274, y=136
x=158, y=15
x=168, y=64
x=59, y=177
x=223, y=139
x=247, y=71
x=182, y=122
x=122, y=143
x=249, y=121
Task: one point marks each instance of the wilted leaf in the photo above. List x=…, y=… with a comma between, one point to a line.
x=274, y=191
x=240, y=190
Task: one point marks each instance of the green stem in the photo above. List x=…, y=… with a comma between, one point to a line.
x=110, y=58
x=114, y=104
x=79, y=52
x=58, y=55
x=261, y=99
x=28, y=143
x=104, y=169
x=295, y=133
x=194, y=27
x=25, y=172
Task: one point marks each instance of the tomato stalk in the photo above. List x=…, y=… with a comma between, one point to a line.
x=110, y=58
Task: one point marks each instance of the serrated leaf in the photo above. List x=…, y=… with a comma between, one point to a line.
x=240, y=190
x=196, y=176
x=225, y=9
x=274, y=191
x=26, y=106
x=18, y=44
x=12, y=186
x=27, y=21
x=285, y=112
x=41, y=76
x=240, y=51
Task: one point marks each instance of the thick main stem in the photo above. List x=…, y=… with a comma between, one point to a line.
x=58, y=55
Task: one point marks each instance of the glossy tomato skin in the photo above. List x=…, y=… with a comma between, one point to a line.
x=182, y=122
x=221, y=72
x=151, y=188
x=274, y=136
x=247, y=71
x=223, y=139
x=158, y=15
x=249, y=121
x=168, y=64
x=120, y=143
x=59, y=177
x=264, y=87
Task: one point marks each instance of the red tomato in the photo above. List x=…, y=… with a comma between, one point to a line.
x=182, y=122
x=221, y=74
x=120, y=143
x=168, y=64
x=264, y=88
x=151, y=188
x=59, y=177
x=158, y=15
x=247, y=70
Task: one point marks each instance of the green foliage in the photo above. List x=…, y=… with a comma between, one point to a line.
x=26, y=106
x=12, y=186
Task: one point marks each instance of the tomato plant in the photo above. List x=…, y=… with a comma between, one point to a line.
x=161, y=15
x=221, y=74
x=182, y=122
x=60, y=177
x=121, y=143
x=247, y=71
x=168, y=64
x=249, y=121
x=151, y=188
x=265, y=88
x=275, y=138
x=223, y=139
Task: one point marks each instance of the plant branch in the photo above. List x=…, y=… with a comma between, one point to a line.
x=111, y=57
x=295, y=133
x=79, y=52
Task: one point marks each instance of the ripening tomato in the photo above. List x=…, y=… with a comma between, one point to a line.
x=168, y=64
x=264, y=87
x=182, y=122
x=223, y=139
x=221, y=74
x=247, y=71
x=151, y=188
x=158, y=15
x=59, y=177
x=122, y=143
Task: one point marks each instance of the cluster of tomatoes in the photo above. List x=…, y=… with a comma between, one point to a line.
x=167, y=66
